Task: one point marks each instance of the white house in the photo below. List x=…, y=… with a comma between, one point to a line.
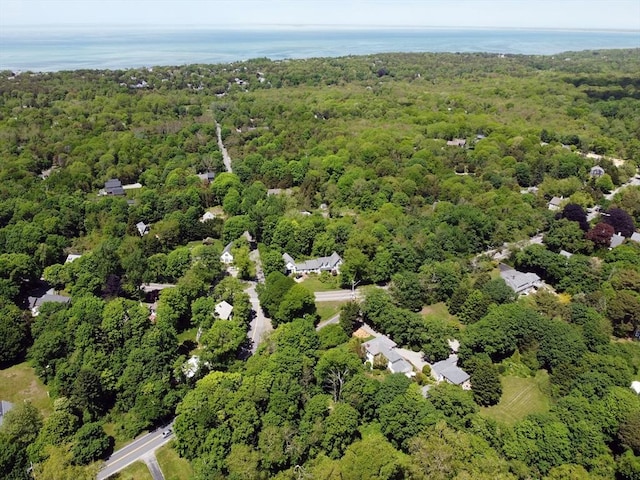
x=227, y=257
x=223, y=310
x=207, y=216
x=635, y=386
x=457, y=142
x=143, y=228
x=635, y=236
x=71, y=257
x=448, y=370
x=331, y=263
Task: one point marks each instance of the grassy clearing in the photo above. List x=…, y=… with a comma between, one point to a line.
x=173, y=467
x=327, y=310
x=19, y=383
x=438, y=311
x=520, y=397
x=135, y=471
x=188, y=335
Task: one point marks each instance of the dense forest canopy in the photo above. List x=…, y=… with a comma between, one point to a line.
x=415, y=169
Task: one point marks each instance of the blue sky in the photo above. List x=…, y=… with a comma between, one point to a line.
x=587, y=14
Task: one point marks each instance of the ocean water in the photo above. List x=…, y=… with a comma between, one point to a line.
x=116, y=48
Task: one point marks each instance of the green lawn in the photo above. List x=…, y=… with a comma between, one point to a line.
x=520, y=397
x=19, y=383
x=326, y=310
x=314, y=284
x=135, y=471
x=173, y=467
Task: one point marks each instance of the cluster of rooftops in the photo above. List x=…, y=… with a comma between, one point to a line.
x=383, y=349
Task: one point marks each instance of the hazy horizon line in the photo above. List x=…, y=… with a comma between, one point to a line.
x=121, y=26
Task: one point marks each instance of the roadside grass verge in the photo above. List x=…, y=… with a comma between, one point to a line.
x=520, y=397
x=135, y=471
x=19, y=383
x=327, y=310
x=173, y=466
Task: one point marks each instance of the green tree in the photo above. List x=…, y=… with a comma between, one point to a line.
x=340, y=429
x=349, y=316
x=485, y=384
x=406, y=291
x=454, y=403
x=334, y=369
x=474, y=308
x=298, y=302
x=14, y=334
x=90, y=443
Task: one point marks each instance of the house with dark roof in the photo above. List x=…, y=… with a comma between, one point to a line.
x=448, y=370
x=596, y=171
x=331, y=263
x=207, y=177
x=113, y=187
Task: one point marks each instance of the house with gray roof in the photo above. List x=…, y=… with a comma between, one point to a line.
x=227, y=256
x=382, y=349
x=616, y=240
x=36, y=302
x=520, y=282
x=331, y=263
x=635, y=237
x=554, y=203
x=448, y=370
x=4, y=408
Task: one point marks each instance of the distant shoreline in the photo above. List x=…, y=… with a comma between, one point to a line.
x=121, y=48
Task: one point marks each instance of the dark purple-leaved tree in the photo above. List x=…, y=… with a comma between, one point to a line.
x=575, y=213
x=620, y=220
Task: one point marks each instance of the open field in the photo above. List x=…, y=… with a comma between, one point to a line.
x=173, y=467
x=19, y=383
x=135, y=471
x=520, y=397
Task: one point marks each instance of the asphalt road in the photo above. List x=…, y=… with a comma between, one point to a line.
x=134, y=451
